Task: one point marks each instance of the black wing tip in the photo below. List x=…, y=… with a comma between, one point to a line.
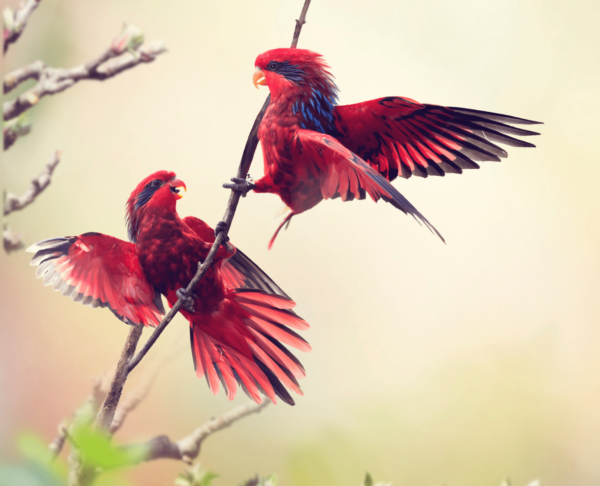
x=396, y=199
x=255, y=275
x=278, y=387
x=499, y=116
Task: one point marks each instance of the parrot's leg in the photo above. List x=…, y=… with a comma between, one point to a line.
x=240, y=185
x=188, y=300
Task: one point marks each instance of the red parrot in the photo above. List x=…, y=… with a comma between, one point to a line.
x=238, y=316
x=315, y=149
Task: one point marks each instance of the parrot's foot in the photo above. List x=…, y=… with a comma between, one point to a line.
x=240, y=185
x=221, y=226
x=188, y=300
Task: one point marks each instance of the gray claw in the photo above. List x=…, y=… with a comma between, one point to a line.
x=240, y=185
x=188, y=300
x=221, y=226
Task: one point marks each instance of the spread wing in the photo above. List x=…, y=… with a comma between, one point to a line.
x=239, y=272
x=399, y=136
x=344, y=174
x=100, y=271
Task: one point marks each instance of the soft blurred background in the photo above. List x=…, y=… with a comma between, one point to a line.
x=458, y=364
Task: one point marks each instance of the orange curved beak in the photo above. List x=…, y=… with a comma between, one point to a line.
x=258, y=78
x=175, y=185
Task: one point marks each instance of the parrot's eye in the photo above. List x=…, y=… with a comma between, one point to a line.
x=272, y=66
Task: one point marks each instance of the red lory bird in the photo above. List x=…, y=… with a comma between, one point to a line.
x=238, y=316
x=315, y=149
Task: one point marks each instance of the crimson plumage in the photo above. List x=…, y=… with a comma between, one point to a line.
x=315, y=149
x=240, y=317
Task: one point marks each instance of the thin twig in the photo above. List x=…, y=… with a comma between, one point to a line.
x=89, y=408
x=18, y=21
x=13, y=202
x=59, y=441
x=22, y=74
x=11, y=241
x=188, y=448
x=299, y=23
x=54, y=80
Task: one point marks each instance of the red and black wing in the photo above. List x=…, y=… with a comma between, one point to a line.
x=239, y=272
x=249, y=349
x=344, y=174
x=99, y=271
x=401, y=137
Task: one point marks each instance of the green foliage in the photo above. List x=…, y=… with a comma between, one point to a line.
x=96, y=450
x=30, y=474
x=258, y=481
x=195, y=476
x=369, y=482
x=39, y=468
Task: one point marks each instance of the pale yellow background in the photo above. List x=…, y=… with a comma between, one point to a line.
x=458, y=364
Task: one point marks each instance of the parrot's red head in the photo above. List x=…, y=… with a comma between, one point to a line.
x=158, y=190
x=293, y=69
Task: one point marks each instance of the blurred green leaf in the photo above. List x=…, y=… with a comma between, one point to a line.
x=369, y=482
x=111, y=478
x=31, y=474
x=33, y=448
x=258, y=481
x=96, y=449
x=36, y=451
x=270, y=481
x=195, y=476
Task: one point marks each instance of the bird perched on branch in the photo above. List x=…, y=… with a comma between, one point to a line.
x=315, y=149
x=238, y=316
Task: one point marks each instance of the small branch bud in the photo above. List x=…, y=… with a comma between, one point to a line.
x=130, y=39
x=15, y=128
x=31, y=98
x=8, y=20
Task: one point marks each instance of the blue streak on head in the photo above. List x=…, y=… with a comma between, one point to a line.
x=290, y=71
x=140, y=201
x=316, y=112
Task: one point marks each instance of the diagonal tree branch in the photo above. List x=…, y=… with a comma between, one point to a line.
x=15, y=22
x=38, y=184
x=188, y=448
x=107, y=413
x=122, y=55
x=234, y=199
x=127, y=361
